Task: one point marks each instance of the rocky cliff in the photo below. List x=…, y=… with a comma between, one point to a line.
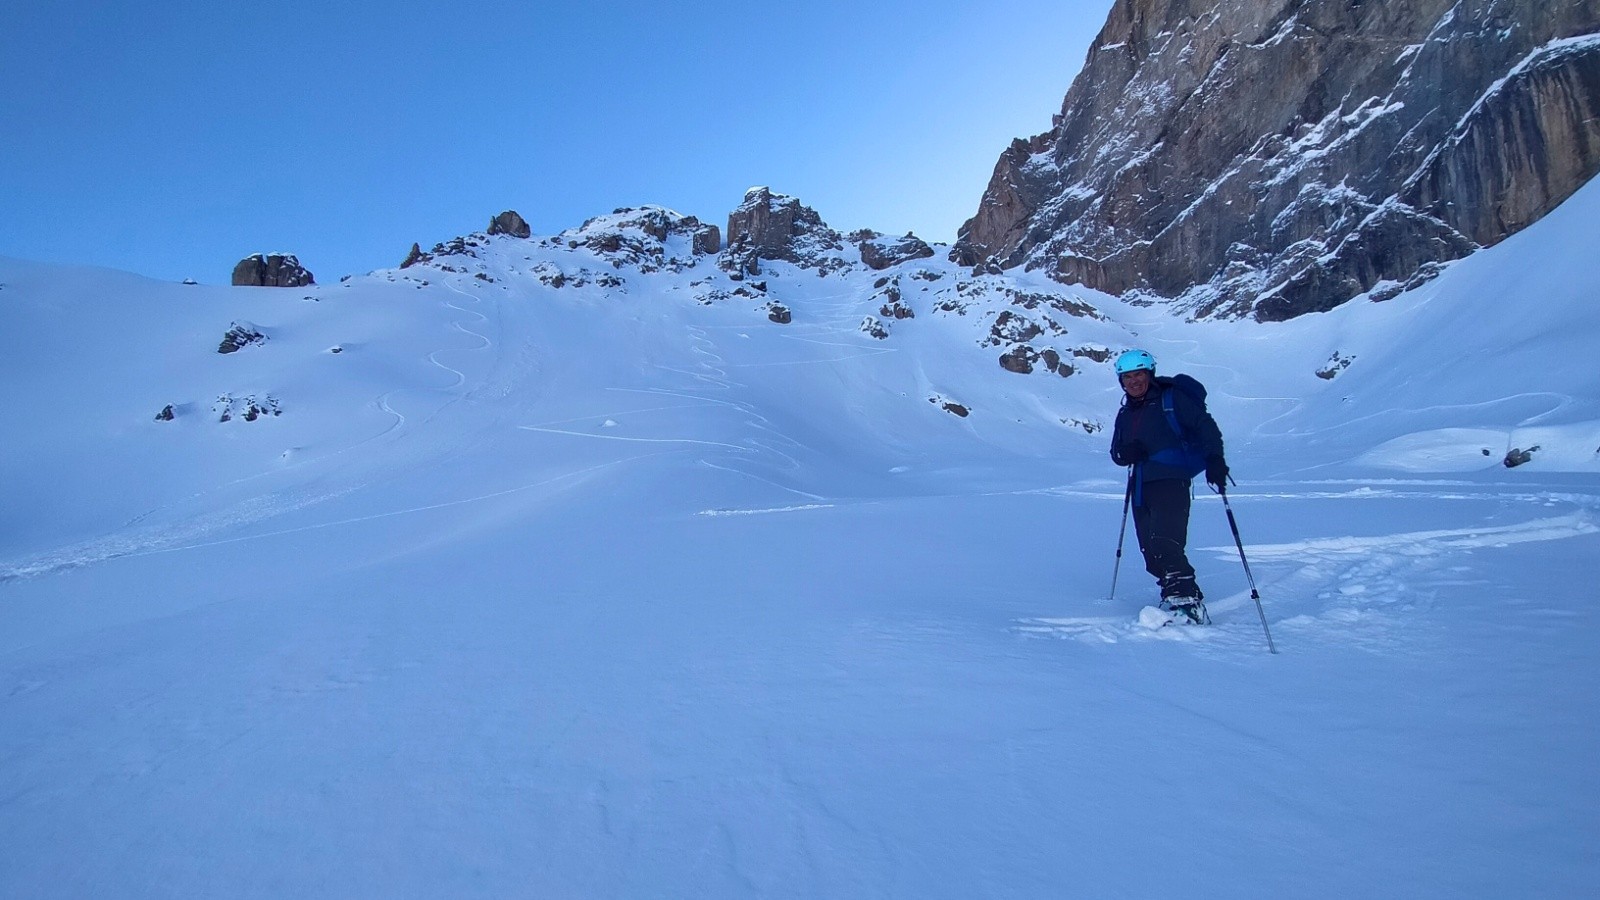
x=1272, y=158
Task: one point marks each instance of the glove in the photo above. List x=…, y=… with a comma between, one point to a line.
x=1217, y=473
x=1129, y=453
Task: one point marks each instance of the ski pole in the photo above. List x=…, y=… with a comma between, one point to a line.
x=1254, y=594
x=1127, y=500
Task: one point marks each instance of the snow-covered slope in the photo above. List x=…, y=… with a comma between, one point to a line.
x=521, y=333
x=557, y=567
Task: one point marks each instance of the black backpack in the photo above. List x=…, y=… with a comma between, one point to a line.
x=1185, y=456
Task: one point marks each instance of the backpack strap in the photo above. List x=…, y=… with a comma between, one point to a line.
x=1184, y=456
x=1172, y=417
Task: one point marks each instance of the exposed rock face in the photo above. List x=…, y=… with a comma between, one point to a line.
x=271, y=270
x=1278, y=157
x=509, y=223
x=707, y=239
x=880, y=253
x=776, y=226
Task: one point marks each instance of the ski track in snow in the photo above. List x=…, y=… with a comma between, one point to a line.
x=713, y=374
x=758, y=512
x=382, y=400
x=191, y=533
x=1483, y=410
x=1372, y=489
x=1364, y=590
x=137, y=545
x=1352, y=578
x=640, y=440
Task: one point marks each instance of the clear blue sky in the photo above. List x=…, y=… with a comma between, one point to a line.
x=173, y=137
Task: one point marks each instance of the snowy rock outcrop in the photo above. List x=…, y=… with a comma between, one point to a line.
x=879, y=252
x=778, y=227
x=646, y=240
x=271, y=270
x=510, y=223
x=1030, y=327
x=239, y=336
x=1271, y=158
x=903, y=286
x=649, y=238
x=249, y=408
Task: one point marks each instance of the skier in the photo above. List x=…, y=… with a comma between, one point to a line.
x=1165, y=434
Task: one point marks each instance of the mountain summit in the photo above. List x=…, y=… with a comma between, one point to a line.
x=1271, y=158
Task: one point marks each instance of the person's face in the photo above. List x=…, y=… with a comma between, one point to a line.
x=1136, y=383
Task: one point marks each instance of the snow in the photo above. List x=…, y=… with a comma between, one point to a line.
x=1285, y=32
x=592, y=592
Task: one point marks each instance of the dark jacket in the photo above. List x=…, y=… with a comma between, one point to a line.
x=1142, y=423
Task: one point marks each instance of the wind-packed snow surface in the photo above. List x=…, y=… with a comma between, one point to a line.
x=496, y=588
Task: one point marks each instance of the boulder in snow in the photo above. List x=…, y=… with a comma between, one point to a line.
x=1518, y=456
x=271, y=270
x=510, y=223
x=240, y=336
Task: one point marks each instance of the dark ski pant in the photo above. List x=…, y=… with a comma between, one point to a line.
x=1161, y=520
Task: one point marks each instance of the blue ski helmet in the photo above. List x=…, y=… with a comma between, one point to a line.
x=1133, y=361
